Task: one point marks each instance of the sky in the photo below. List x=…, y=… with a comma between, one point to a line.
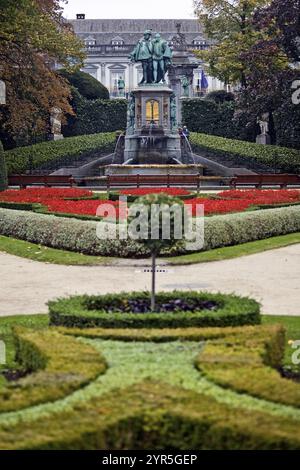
x=139, y=9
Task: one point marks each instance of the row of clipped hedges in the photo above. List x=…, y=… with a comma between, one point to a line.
x=59, y=364
x=63, y=152
x=254, y=354
x=283, y=158
x=213, y=118
x=161, y=415
x=93, y=116
x=104, y=311
x=80, y=236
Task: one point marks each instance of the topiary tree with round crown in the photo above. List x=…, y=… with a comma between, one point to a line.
x=156, y=215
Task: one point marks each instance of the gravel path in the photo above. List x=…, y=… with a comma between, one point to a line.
x=272, y=278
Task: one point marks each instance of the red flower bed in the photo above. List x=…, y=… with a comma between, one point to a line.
x=212, y=206
x=88, y=207
x=145, y=191
x=39, y=195
x=258, y=196
x=57, y=200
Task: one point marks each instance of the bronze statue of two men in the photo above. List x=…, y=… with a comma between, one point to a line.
x=155, y=55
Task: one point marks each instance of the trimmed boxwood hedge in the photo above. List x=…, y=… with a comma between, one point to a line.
x=59, y=364
x=159, y=416
x=76, y=235
x=257, y=353
x=61, y=152
x=283, y=158
x=104, y=311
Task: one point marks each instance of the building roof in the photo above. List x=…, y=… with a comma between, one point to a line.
x=104, y=31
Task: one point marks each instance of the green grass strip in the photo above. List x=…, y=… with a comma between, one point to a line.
x=45, y=254
x=236, y=251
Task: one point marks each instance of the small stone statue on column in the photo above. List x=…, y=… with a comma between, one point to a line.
x=173, y=113
x=264, y=137
x=131, y=114
x=186, y=86
x=55, y=124
x=121, y=87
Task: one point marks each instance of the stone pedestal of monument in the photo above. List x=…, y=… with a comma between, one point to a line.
x=263, y=139
x=56, y=136
x=159, y=170
x=152, y=134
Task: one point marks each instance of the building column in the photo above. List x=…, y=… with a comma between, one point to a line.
x=103, y=74
x=131, y=77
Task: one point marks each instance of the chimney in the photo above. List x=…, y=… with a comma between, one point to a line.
x=80, y=16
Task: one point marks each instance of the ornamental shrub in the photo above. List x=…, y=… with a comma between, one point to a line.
x=209, y=117
x=88, y=86
x=80, y=236
x=50, y=357
x=94, y=116
x=105, y=311
x=161, y=219
x=220, y=96
x=181, y=411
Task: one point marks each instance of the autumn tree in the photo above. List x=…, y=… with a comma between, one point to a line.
x=34, y=38
x=270, y=70
x=281, y=21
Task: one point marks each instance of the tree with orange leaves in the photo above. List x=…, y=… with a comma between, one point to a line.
x=34, y=38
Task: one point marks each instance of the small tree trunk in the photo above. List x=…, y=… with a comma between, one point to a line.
x=153, y=281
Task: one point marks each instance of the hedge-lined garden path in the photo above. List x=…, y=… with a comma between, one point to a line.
x=270, y=277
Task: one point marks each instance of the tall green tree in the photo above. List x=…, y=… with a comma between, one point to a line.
x=34, y=38
x=229, y=24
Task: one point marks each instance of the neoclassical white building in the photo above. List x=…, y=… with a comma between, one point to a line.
x=109, y=42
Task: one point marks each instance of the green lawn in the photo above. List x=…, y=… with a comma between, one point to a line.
x=44, y=254
x=236, y=251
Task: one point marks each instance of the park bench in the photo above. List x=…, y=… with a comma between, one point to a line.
x=49, y=180
x=160, y=180
x=258, y=181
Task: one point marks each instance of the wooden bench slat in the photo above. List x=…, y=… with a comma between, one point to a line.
x=49, y=180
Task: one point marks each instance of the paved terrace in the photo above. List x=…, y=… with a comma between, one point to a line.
x=271, y=277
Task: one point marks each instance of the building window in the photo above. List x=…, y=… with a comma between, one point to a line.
x=89, y=42
x=117, y=41
x=200, y=43
x=152, y=112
